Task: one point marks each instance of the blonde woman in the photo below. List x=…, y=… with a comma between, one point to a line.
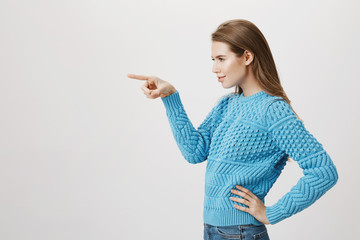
x=246, y=138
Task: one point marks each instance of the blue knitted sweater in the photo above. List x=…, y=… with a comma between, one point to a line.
x=246, y=142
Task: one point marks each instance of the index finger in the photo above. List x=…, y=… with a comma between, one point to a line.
x=139, y=77
x=246, y=191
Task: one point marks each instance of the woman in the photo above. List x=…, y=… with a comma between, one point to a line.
x=246, y=139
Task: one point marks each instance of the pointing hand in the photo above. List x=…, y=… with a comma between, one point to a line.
x=154, y=87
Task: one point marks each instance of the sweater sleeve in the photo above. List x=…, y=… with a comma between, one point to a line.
x=319, y=171
x=193, y=143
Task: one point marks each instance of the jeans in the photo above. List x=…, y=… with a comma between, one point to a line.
x=244, y=232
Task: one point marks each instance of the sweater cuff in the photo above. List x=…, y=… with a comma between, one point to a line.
x=274, y=214
x=172, y=102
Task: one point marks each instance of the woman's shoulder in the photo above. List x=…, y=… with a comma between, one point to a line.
x=276, y=109
x=268, y=105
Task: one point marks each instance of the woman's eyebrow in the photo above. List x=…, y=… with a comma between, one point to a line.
x=219, y=56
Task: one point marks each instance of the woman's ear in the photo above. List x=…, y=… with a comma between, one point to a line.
x=249, y=57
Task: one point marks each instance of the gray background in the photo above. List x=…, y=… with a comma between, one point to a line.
x=85, y=155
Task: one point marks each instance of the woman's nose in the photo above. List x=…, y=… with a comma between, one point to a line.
x=215, y=69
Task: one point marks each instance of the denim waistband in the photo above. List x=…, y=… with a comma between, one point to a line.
x=237, y=226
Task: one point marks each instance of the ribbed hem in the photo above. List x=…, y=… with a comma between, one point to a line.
x=274, y=214
x=172, y=101
x=228, y=217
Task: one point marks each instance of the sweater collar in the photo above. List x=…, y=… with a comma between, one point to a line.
x=251, y=97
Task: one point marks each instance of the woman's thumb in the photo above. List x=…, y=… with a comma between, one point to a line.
x=155, y=93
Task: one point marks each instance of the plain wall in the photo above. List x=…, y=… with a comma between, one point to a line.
x=85, y=155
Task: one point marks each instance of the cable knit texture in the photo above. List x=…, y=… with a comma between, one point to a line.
x=246, y=142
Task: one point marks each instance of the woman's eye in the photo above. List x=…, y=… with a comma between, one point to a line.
x=219, y=59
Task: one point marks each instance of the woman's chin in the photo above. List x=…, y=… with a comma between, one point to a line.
x=224, y=85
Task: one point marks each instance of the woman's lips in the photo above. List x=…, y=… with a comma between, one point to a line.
x=221, y=79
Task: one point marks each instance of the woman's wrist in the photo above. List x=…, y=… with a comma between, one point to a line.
x=171, y=91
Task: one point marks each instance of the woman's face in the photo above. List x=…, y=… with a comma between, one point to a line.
x=231, y=69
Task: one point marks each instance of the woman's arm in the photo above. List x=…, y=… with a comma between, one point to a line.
x=193, y=143
x=294, y=139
